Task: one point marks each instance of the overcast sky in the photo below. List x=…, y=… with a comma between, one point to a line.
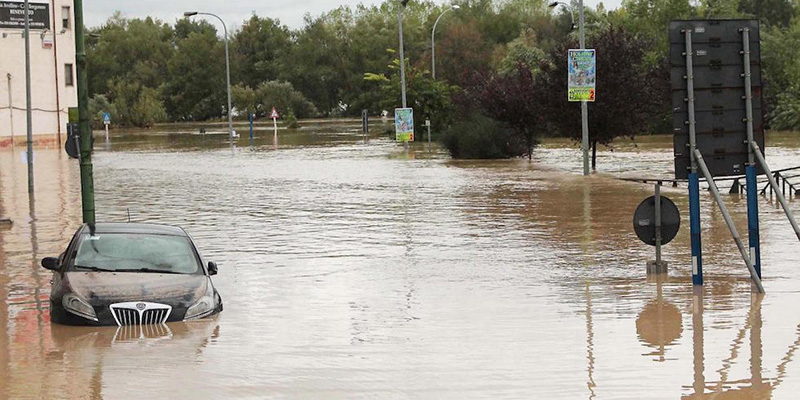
x=291, y=13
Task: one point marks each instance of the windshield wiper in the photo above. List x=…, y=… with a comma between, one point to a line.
x=158, y=271
x=95, y=269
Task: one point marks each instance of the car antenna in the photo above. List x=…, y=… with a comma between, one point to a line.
x=129, y=215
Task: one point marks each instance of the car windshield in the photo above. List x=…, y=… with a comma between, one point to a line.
x=124, y=252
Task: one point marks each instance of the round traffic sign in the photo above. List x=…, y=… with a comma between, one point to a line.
x=644, y=220
x=71, y=146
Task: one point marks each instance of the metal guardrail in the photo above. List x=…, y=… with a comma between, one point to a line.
x=789, y=183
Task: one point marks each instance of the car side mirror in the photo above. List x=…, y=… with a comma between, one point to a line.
x=50, y=263
x=212, y=268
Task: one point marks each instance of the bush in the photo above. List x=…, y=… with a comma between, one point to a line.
x=98, y=105
x=291, y=121
x=481, y=137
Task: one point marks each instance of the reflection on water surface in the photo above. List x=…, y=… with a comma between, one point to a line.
x=353, y=269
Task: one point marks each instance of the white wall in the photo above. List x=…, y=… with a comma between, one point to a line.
x=44, y=72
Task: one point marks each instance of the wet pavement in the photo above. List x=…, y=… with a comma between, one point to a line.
x=357, y=270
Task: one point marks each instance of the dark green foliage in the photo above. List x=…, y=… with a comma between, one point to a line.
x=135, y=105
x=319, y=69
x=98, y=105
x=630, y=95
x=196, y=89
x=429, y=98
x=285, y=99
x=291, y=121
x=260, y=48
x=480, y=137
x=515, y=99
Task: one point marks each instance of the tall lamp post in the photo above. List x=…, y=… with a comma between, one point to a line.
x=433, y=40
x=584, y=108
x=568, y=7
x=402, y=56
x=188, y=14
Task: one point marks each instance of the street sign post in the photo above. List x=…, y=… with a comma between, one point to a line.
x=582, y=67
x=106, y=122
x=656, y=221
x=274, y=115
x=404, y=124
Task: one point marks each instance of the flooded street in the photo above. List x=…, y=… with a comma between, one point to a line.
x=353, y=270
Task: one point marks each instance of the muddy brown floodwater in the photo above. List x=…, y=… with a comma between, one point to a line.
x=355, y=270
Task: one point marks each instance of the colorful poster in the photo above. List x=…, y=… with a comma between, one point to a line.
x=404, y=124
x=582, y=68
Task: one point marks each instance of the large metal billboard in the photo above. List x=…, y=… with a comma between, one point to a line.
x=12, y=15
x=719, y=93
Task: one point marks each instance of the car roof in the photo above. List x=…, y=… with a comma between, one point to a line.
x=134, y=228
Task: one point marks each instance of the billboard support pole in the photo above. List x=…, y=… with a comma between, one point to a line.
x=750, y=170
x=694, y=182
x=714, y=191
x=584, y=106
x=778, y=193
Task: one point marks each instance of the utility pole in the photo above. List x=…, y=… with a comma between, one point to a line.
x=402, y=57
x=584, y=107
x=28, y=94
x=86, y=140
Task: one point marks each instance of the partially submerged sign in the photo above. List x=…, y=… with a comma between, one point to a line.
x=404, y=124
x=106, y=118
x=582, y=67
x=12, y=15
x=644, y=220
x=274, y=114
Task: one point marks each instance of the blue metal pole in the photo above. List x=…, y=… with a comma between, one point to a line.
x=752, y=218
x=694, y=216
x=251, y=129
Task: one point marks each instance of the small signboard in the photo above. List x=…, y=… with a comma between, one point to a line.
x=73, y=114
x=107, y=118
x=582, y=69
x=12, y=15
x=274, y=114
x=404, y=124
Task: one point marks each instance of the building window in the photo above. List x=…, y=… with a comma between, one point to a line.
x=68, y=80
x=65, y=18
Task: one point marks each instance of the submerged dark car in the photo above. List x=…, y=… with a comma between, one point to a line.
x=131, y=274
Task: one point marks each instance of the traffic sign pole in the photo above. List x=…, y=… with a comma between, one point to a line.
x=658, y=224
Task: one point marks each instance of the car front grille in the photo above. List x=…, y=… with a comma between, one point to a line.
x=140, y=313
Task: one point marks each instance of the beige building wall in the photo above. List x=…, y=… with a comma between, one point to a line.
x=53, y=81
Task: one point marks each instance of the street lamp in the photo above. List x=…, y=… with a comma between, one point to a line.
x=402, y=57
x=568, y=7
x=584, y=108
x=188, y=14
x=433, y=40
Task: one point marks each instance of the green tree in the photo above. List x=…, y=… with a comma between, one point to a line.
x=260, y=48
x=98, y=105
x=285, y=99
x=429, y=98
x=630, y=95
x=136, y=105
x=196, y=89
x=134, y=50
x=246, y=101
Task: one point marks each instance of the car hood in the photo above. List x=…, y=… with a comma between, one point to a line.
x=104, y=288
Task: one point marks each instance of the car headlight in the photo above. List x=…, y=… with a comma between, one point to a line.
x=202, y=308
x=78, y=306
